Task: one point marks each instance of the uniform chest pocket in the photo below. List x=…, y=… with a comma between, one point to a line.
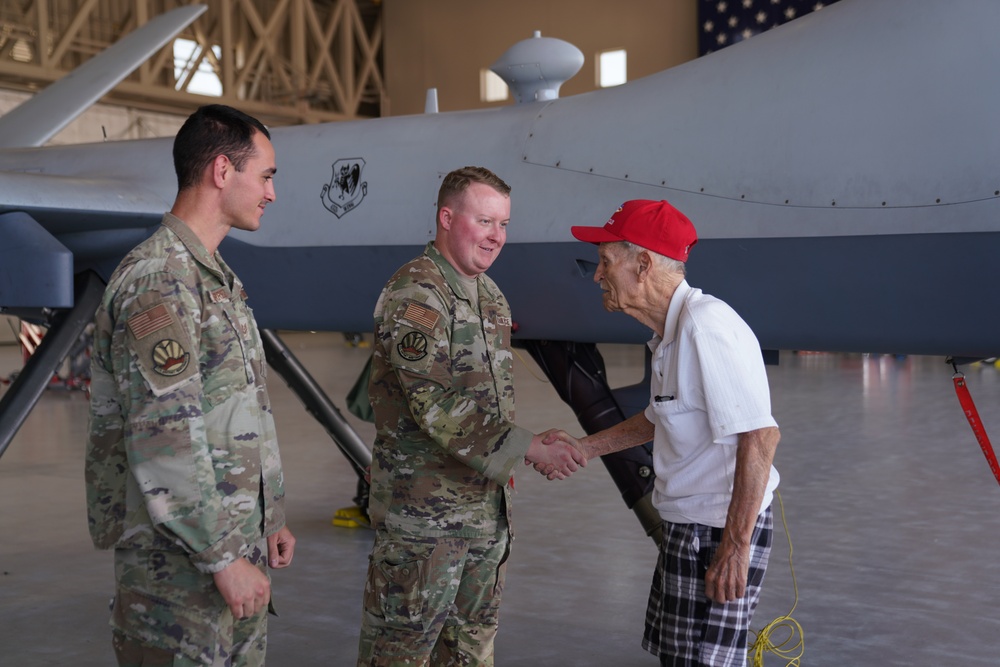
x=469, y=351
x=496, y=329
x=225, y=368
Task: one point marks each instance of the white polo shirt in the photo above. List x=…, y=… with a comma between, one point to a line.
x=708, y=385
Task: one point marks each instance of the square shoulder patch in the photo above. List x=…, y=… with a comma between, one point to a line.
x=163, y=350
x=416, y=330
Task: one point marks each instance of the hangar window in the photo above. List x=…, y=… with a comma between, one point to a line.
x=611, y=68
x=194, y=68
x=491, y=87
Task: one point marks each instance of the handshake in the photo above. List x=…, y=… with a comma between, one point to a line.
x=556, y=454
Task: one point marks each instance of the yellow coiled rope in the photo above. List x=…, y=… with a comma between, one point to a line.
x=792, y=641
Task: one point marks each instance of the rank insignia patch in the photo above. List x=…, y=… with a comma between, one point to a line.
x=413, y=346
x=169, y=358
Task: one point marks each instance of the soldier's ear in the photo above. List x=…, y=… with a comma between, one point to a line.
x=222, y=169
x=444, y=217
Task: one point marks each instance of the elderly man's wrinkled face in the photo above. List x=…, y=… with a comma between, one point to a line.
x=616, y=274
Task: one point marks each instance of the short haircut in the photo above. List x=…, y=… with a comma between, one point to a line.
x=213, y=130
x=662, y=261
x=458, y=181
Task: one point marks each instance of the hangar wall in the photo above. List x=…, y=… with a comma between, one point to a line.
x=445, y=43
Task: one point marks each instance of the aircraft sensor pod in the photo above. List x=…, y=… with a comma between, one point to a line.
x=535, y=68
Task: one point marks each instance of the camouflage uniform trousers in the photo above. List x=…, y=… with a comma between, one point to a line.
x=167, y=613
x=432, y=600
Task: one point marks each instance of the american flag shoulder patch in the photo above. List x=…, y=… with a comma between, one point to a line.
x=149, y=321
x=421, y=315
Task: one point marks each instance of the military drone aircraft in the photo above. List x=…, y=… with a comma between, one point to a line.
x=842, y=170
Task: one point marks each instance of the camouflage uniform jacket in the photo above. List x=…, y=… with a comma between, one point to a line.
x=182, y=454
x=443, y=395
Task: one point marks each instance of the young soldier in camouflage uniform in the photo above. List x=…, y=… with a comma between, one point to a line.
x=442, y=392
x=183, y=474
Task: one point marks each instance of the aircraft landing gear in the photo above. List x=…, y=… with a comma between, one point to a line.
x=65, y=329
x=319, y=405
x=576, y=370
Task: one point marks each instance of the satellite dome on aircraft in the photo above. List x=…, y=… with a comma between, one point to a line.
x=535, y=68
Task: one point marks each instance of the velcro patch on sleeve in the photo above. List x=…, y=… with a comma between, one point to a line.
x=412, y=346
x=164, y=352
x=421, y=316
x=412, y=350
x=149, y=321
x=416, y=332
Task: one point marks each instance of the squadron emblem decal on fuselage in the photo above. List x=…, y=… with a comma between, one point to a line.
x=346, y=190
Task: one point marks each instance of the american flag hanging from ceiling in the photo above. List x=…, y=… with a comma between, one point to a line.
x=725, y=22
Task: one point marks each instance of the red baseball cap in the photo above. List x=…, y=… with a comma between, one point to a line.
x=653, y=225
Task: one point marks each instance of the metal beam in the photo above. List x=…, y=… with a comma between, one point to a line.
x=292, y=61
x=66, y=328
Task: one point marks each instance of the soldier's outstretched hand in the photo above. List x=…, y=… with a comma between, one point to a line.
x=555, y=455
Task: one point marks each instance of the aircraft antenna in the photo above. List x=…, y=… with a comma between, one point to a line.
x=431, y=101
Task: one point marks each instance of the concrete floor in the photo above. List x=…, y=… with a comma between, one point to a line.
x=892, y=510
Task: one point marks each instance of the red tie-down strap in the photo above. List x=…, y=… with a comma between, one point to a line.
x=969, y=407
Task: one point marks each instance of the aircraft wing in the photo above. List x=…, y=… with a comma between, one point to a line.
x=56, y=225
x=53, y=218
x=100, y=201
x=36, y=120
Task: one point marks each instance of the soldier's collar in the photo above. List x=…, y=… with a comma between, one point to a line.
x=194, y=245
x=451, y=276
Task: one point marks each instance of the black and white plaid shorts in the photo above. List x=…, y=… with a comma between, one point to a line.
x=683, y=627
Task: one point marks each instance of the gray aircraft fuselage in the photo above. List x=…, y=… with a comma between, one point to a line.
x=843, y=172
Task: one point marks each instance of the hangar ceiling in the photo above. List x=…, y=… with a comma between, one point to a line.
x=285, y=61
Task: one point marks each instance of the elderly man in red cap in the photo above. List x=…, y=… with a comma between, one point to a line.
x=709, y=417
